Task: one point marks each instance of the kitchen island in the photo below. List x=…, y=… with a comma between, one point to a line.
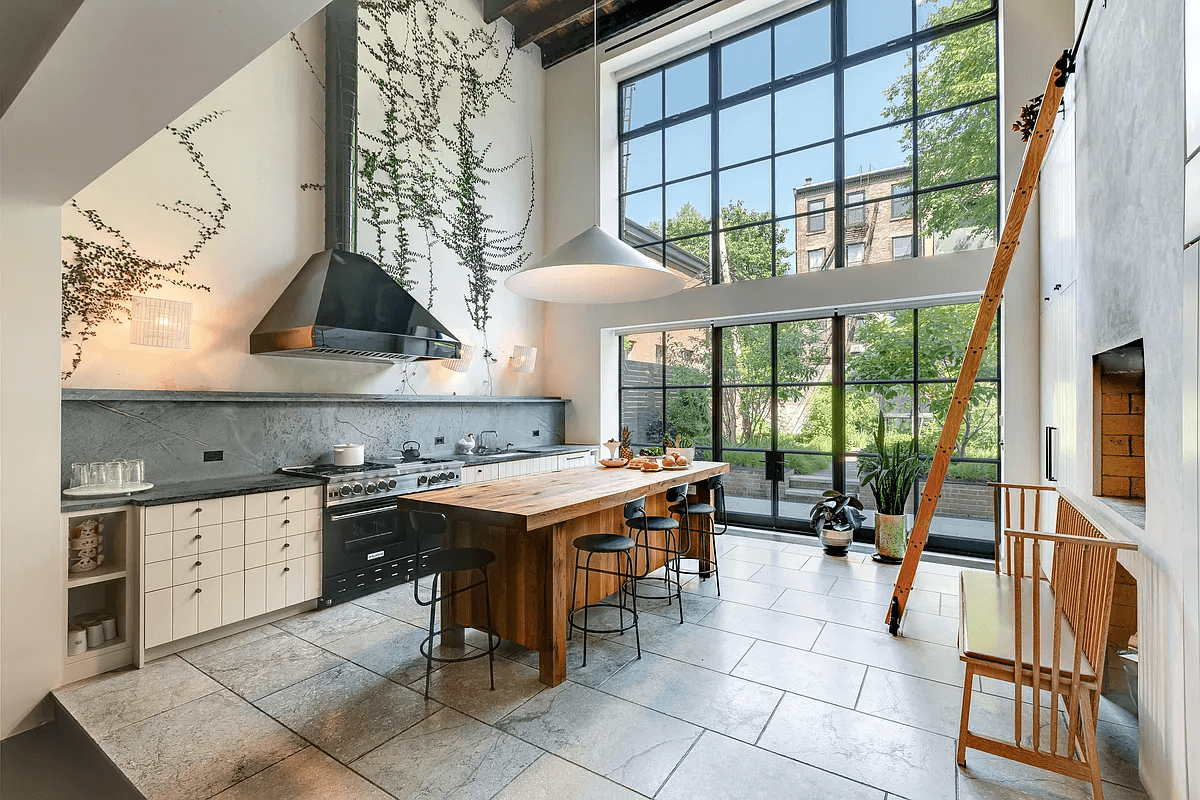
x=529, y=523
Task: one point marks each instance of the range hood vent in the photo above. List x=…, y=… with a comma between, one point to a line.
x=343, y=306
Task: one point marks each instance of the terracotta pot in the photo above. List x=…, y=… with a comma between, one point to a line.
x=891, y=537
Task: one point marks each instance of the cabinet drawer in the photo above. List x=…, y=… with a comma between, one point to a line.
x=256, y=505
x=159, y=519
x=157, y=622
x=280, y=525
x=256, y=554
x=312, y=576
x=277, y=550
x=185, y=600
x=312, y=542
x=293, y=501
x=208, y=604
x=312, y=519
x=233, y=559
x=256, y=529
x=233, y=534
x=159, y=575
x=233, y=509
x=195, y=514
x=276, y=590
x=573, y=460
x=190, y=569
x=255, y=598
x=297, y=545
x=312, y=496
x=157, y=547
x=233, y=598
x=208, y=538
x=185, y=543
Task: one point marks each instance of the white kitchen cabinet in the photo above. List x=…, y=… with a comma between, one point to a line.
x=233, y=559
x=277, y=550
x=159, y=576
x=158, y=519
x=233, y=597
x=295, y=581
x=157, y=547
x=277, y=585
x=256, y=530
x=184, y=610
x=312, y=576
x=573, y=460
x=233, y=534
x=156, y=622
x=256, y=591
x=256, y=505
x=233, y=509
x=256, y=555
x=208, y=604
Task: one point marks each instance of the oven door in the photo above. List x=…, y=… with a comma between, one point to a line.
x=363, y=534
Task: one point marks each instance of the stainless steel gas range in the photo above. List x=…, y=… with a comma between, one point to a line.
x=367, y=544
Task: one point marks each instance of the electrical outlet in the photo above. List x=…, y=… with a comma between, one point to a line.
x=439, y=440
x=537, y=433
x=214, y=455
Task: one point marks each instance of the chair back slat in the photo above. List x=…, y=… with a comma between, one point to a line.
x=1027, y=499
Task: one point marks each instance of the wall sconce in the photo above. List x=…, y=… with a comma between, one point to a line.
x=523, y=358
x=466, y=354
x=154, y=322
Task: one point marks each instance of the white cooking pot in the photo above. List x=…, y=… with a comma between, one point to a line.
x=347, y=455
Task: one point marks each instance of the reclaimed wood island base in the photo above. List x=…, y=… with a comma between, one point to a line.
x=529, y=522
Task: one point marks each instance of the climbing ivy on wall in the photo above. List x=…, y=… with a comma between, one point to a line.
x=101, y=277
x=418, y=174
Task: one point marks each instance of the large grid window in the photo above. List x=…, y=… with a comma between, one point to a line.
x=797, y=405
x=846, y=123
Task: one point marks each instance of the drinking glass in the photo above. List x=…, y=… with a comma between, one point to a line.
x=97, y=473
x=137, y=471
x=115, y=475
x=79, y=475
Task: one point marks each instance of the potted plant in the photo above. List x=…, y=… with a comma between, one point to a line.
x=836, y=519
x=890, y=477
x=682, y=443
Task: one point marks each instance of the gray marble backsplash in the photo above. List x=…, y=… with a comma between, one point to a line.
x=258, y=433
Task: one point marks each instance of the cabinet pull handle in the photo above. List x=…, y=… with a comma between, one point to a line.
x=199, y=563
x=198, y=590
x=287, y=497
x=287, y=569
x=287, y=522
x=199, y=535
x=287, y=544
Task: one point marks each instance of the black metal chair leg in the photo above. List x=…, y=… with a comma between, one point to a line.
x=487, y=605
x=637, y=634
x=587, y=594
x=574, y=596
x=712, y=538
x=432, y=620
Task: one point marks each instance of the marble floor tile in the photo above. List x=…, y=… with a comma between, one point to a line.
x=732, y=540
x=693, y=644
x=806, y=548
x=936, y=582
x=774, y=558
x=720, y=768
x=879, y=649
x=887, y=755
x=448, y=755
x=264, y=665
x=466, y=687
x=735, y=591
x=832, y=609
x=1117, y=748
x=932, y=706
x=695, y=606
x=229, y=642
x=478, y=640
x=390, y=648
x=764, y=624
x=309, y=773
x=732, y=568
x=1112, y=712
x=605, y=655
x=801, y=672
x=869, y=571
x=199, y=748
x=881, y=594
x=795, y=579
x=622, y=741
x=327, y=625
x=951, y=605
x=988, y=777
x=713, y=700
x=552, y=778
x=930, y=628
x=113, y=700
x=398, y=603
x=347, y=710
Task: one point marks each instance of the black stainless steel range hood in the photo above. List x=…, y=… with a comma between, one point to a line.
x=343, y=306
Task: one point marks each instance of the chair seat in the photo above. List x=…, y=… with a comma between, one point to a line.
x=652, y=523
x=695, y=509
x=986, y=630
x=454, y=559
x=603, y=543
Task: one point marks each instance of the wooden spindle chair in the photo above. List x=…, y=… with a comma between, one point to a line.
x=1048, y=634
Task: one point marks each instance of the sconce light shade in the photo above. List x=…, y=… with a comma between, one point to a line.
x=523, y=358
x=154, y=322
x=460, y=364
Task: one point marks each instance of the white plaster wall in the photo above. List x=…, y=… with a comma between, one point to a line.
x=580, y=340
x=1131, y=282
x=269, y=143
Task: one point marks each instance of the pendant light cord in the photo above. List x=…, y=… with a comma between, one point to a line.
x=596, y=79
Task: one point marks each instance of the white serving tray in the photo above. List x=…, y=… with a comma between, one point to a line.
x=104, y=491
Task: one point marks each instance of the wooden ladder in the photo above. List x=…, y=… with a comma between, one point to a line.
x=1031, y=166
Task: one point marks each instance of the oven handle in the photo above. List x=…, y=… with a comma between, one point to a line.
x=340, y=517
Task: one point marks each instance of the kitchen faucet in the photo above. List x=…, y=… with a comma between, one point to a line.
x=483, y=445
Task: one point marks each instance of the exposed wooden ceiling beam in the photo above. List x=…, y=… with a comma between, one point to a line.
x=568, y=41
x=537, y=20
x=495, y=9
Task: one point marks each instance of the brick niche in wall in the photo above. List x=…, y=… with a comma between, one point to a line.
x=1122, y=434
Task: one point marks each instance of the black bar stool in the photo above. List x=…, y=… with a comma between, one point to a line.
x=708, y=544
x=453, y=559
x=603, y=543
x=640, y=525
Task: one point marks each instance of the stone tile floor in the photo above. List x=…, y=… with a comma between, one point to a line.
x=786, y=685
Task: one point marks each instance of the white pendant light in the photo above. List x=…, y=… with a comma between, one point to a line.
x=595, y=266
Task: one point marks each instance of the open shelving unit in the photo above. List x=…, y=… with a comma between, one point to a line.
x=109, y=588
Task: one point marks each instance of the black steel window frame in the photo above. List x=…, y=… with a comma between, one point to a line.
x=838, y=384
x=839, y=62
x=664, y=388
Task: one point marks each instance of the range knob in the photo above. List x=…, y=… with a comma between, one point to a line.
x=447, y=476
x=345, y=491
x=421, y=481
x=357, y=488
x=434, y=479
x=371, y=488
x=391, y=483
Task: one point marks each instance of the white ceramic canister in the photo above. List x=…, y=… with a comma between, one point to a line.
x=76, y=640
x=95, y=633
x=109, y=622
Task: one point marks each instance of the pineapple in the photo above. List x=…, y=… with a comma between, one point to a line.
x=626, y=448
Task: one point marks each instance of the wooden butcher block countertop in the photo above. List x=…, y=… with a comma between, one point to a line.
x=529, y=502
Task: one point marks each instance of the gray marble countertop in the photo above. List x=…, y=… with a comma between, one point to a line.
x=186, y=491
x=515, y=455
x=153, y=395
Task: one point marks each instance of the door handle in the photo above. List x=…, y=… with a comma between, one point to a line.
x=352, y=514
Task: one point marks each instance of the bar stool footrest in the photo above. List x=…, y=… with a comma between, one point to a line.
x=576, y=626
x=494, y=642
